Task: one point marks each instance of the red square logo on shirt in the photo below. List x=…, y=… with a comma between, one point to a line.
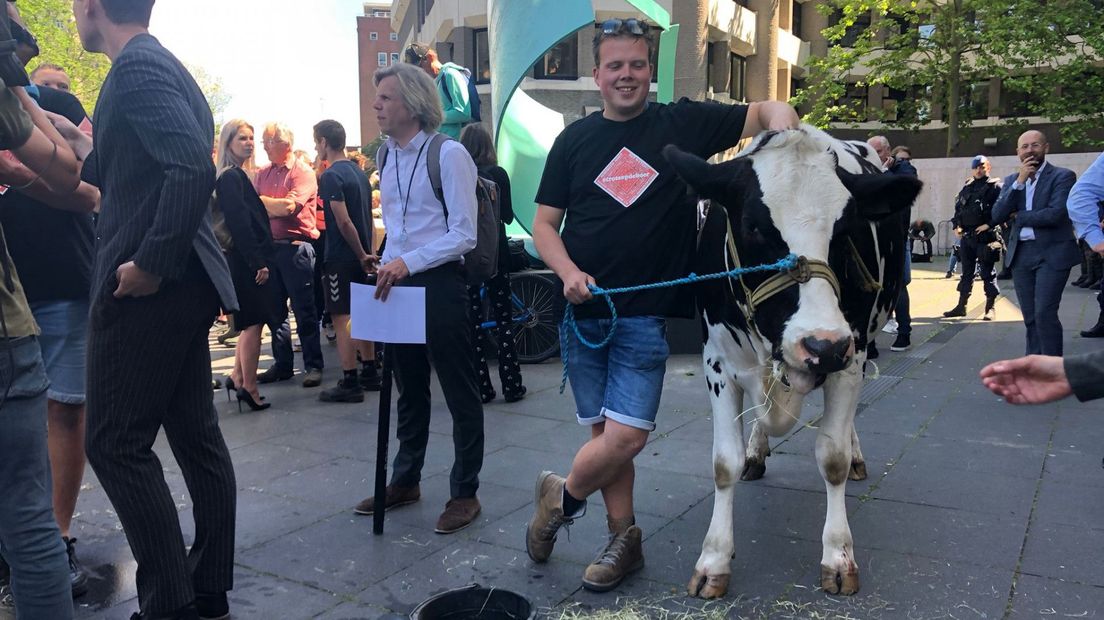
x=626, y=177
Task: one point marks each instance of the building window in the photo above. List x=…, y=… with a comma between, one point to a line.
x=851, y=35
x=975, y=100
x=482, y=64
x=394, y=36
x=1018, y=99
x=737, y=77
x=373, y=36
x=742, y=3
x=795, y=18
x=561, y=62
x=381, y=58
x=394, y=57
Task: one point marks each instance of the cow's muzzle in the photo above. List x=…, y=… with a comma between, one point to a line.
x=827, y=355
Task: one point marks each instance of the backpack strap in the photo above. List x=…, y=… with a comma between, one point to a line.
x=433, y=164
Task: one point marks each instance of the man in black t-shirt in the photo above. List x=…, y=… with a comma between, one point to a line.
x=347, y=202
x=628, y=222
x=50, y=239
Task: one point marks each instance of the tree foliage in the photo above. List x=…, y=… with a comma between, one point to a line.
x=213, y=90
x=938, y=55
x=52, y=23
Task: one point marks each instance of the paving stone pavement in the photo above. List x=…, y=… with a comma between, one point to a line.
x=973, y=508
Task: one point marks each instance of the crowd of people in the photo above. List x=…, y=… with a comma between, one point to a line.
x=179, y=237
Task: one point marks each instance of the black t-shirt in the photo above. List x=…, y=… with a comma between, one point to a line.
x=629, y=217
x=345, y=182
x=51, y=248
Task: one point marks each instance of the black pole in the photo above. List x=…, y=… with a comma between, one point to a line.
x=384, y=425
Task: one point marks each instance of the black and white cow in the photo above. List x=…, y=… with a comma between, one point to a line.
x=806, y=193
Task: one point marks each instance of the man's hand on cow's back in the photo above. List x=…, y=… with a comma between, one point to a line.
x=576, y=288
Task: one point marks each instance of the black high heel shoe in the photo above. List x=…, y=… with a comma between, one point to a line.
x=245, y=396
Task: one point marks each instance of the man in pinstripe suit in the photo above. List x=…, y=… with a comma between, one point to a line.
x=157, y=284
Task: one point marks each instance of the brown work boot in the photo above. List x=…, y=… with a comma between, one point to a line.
x=459, y=514
x=395, y=497
x=548, y=516
x=622, y=555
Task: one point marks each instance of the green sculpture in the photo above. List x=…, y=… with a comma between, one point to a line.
x=521, y=32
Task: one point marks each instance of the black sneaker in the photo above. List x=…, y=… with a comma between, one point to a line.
x=902, y=343
x=78, y=577
x=343, y=393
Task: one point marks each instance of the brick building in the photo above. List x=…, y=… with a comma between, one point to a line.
x=378, y=46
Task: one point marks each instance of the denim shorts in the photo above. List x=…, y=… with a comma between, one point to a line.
x=623, y=380
x=64, y=327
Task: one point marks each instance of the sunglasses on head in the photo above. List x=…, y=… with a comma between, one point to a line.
x=633, y=26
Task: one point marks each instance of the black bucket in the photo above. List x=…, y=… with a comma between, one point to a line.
x=474, y=602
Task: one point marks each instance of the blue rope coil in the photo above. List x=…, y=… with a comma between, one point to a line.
x=569, y=327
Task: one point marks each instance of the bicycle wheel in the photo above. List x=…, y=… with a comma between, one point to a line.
x=538, y=309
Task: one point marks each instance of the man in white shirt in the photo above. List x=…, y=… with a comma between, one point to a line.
x=1041, y=247
x=424, y=246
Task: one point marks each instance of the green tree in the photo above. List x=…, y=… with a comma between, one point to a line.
x=52, y=23
x=939, y=54
x=214, y=91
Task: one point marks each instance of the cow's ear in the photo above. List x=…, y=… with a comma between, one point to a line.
x=697, y=172
x=879, y=195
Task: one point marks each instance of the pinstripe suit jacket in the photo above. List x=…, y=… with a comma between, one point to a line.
x=153, y=134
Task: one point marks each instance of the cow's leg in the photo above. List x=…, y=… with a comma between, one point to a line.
x=758, y=449
x=839, y=574
x=858, y=463
x=711, y=573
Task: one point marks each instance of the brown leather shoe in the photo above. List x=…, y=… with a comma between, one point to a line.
x=548, y=516
x=395, y=497
x=459, y=514
x=622, y=555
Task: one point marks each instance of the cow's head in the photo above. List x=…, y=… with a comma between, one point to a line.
x=790, y=192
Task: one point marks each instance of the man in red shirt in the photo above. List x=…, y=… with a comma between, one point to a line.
x=289, y=191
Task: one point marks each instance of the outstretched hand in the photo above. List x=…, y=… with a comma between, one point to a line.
x=1028, y=380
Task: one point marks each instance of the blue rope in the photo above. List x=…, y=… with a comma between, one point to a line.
x=569, y=326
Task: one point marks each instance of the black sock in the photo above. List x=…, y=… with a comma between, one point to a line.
x=368, y=368
x=571, y=504
x=351, y=377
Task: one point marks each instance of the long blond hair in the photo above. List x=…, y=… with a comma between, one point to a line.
x=229, y=133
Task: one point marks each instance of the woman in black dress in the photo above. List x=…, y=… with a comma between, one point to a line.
x=480, y=146
x=248, y=247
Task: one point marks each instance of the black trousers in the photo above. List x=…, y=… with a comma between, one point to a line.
x=449, y=348
x=502, y=310
x=149, y=368
x=968, y=255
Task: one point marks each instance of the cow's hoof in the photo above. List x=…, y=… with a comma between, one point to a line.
x=858, y=470
x=708, y=586
x=833, y=581
x=753, y=470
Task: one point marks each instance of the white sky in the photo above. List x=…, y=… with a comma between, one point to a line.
x=279, y=60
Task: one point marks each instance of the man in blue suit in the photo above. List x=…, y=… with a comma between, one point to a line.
x=1041, y=247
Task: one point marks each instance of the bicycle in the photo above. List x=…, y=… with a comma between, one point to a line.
x=537, y=312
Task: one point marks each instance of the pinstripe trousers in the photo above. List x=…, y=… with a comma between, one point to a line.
x=149, y=368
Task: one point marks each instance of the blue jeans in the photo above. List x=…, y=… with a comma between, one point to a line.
x=623, y=380
x=292, y=276
x=29, y=537
x=904, y=318
x=64, y=325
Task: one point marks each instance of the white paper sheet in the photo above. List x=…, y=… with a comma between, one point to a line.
x=401, y=319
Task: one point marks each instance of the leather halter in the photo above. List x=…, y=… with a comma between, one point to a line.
x=805, y=270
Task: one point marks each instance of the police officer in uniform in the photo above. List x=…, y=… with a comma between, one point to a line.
x=981, y=242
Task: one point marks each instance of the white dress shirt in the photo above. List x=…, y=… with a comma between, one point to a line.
x=417, y=230
x=1027, y=233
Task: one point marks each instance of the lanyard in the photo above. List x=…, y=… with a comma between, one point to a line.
x=409, y=186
